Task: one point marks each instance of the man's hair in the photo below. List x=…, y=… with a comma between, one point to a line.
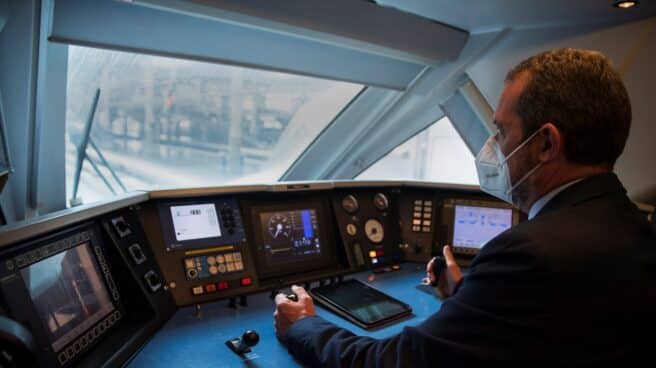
x=583, y=96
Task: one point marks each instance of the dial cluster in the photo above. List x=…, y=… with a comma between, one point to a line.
x=365, y=226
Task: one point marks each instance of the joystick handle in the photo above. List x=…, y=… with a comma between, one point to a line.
x=439, y=265
x=288, y=293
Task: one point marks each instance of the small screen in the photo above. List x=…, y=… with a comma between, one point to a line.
x=362, y=302
x=195, y=221
x=69, y=294
x=290, y=236
x=474, y=226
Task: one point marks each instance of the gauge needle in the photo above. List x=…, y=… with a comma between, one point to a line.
x=278, y=229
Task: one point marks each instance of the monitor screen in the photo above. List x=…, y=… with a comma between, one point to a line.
x=473, y=226
x=195, y=221
x=290, y=236
x=69, y=293
x=203, y=223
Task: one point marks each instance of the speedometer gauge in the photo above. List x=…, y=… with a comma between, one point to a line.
x=279, y=226
x=374, y=231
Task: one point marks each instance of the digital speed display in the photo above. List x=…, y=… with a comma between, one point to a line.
x=290, y=235
x=292, y=238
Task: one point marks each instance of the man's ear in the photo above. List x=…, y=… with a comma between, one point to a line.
x=552, y=144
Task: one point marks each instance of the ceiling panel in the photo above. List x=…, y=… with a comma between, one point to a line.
x=479, y=15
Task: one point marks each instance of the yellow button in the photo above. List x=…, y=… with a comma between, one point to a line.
x=372, y=254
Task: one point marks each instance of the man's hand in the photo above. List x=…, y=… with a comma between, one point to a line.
x=449, y=278
x=288, y=311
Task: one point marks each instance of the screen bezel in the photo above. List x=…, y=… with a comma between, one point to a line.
x=171, y=244
x=328, y=248
x=449, y=213
x=54, y=340
x=22, y=307
x=508, y=212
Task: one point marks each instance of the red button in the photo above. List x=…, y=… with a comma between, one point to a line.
x=222, y=285
x=210, y=288
x=379, y=252
x=246, y=281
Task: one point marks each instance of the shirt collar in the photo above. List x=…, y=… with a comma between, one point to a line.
x=540, y=203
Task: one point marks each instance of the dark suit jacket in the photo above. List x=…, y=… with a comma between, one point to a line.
x=575, y=286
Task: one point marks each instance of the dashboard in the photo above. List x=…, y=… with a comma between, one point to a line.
x=93, y=284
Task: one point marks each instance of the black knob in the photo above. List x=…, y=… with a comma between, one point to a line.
x=122, y=226
x=292, y=297
x=243, y=345
x=250, y=338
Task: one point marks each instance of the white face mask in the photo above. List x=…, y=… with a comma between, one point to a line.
x=493, y=171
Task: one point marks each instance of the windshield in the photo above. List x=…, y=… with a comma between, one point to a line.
x=437, y=154
x=171, y=123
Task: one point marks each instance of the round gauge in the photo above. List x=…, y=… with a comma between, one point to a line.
x=351, y=229
x=350, y=204
x=279, y=226
x=374, y=231
x=381, y=202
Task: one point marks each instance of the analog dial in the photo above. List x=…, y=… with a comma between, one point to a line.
x=350, y=204
x=374, y=231
x=381, y=202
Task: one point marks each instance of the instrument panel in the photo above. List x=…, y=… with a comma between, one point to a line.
x=92, y=280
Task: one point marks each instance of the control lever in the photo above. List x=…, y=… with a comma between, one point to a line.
x=288, y=293
x=439, y=265
x=243, y=345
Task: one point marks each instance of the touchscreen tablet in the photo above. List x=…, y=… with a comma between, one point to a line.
x=360, y=303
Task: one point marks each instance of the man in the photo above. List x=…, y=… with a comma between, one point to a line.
x=573, y=285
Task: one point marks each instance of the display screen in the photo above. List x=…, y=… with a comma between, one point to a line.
x=69, y=294
x=195, y=221
x=290, y=236
x=362, y=302
x=474, y=226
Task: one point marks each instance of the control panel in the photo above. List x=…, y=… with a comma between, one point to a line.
x=203, y=248
x=293, y=239
x=368, y=225
x=96, y=289
x=75, y=293
x=419, y=220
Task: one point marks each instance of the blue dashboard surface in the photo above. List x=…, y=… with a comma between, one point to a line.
x=197, y=338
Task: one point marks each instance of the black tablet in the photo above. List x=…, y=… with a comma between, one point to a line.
x=360, y=303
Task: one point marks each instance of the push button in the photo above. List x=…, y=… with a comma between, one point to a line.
x=222, y=285
x=246, y=281
x=197, y=290
x=210, y=288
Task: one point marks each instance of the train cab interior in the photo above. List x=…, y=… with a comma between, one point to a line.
x=168, y=166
